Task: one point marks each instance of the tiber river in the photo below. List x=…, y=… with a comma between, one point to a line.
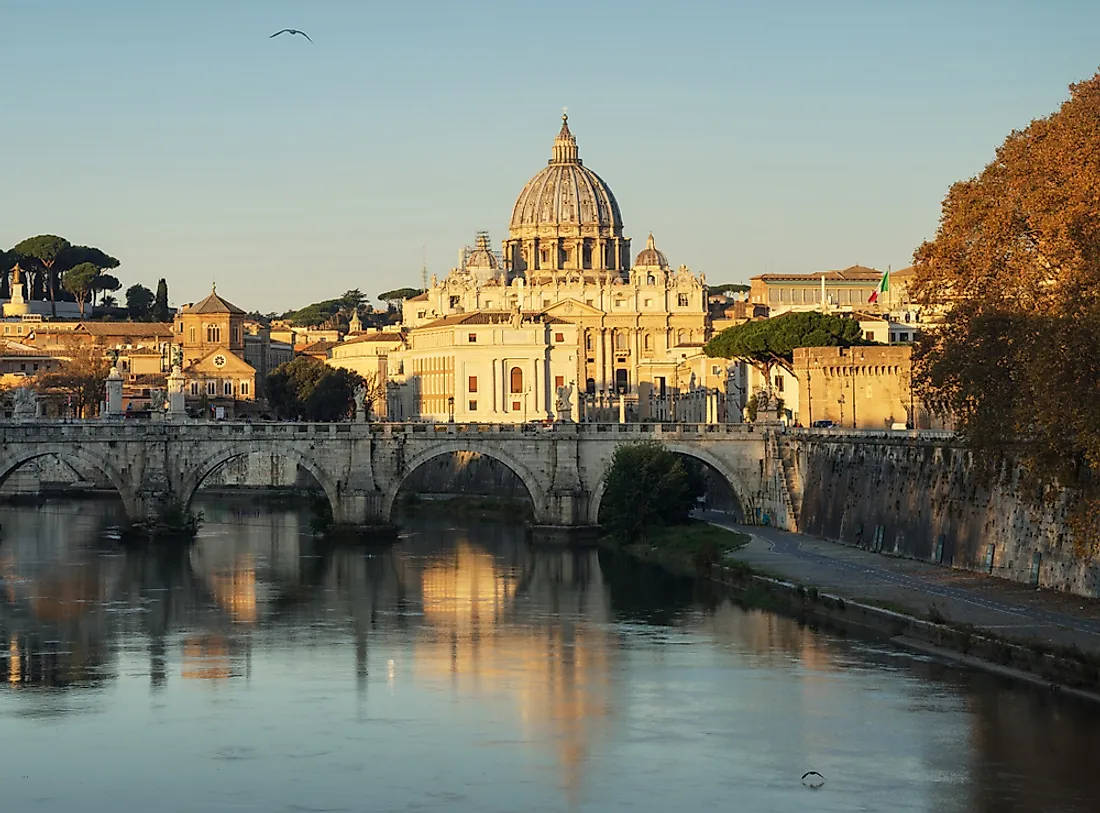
x=464, y=670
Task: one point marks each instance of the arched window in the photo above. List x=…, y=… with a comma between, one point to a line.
x=681, y=337
x=213, y=334
x=620, y=340
x=650, y=280
x=516, y=380
x=648, y=341
x=590, y=386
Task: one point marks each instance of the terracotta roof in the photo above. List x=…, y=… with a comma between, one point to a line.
x=125, y=328
x=18, y=350
x=318, y=347
x=374, y=337
x=214, y=304
x=418, y=298
x=856, y=273
x=493, y=318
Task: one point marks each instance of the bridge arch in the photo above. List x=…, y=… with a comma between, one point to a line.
x=526, y=476
x=735, y=482
x=194, y=479
x=14, y=459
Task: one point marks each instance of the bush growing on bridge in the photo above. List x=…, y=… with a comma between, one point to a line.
x=647, y=486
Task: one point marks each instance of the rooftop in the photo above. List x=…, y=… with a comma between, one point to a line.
x=855, y=273
x=212, y=304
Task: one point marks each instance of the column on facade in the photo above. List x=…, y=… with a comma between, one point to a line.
x=636, y=352
x=608, y=372
x=597, y=340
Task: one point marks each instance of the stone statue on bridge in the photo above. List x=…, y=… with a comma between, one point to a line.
x=360, y=403
x=563, y=407
x=24, y=402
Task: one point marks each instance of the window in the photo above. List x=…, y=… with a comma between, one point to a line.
x=516, y=380
x=559, y=337
x=649, y=303
x=194, y=387
x=779, y=383
x=454, y=301
x=473, y=406
x=661, y=386
x=588, y=341
x=244, y=388
x=650, y=280
x=619, y=302
x=903, y=337
x=23, y=365
x=180, y=326
x=227, y=388
x=472, y=338
x=211, y=388
x=870, y=335
x=590, y=386
x=213, y=334
x=589, y=302
x=681, y=337
x=621, y=382
x=421, y=314
x=488, y=304
x=559, y=381
x=715, y=370
x=648, y=341
x=546, y=303
x=472, y=384
x=192, y=333
x=682, y=300
x=515, y=406
x=620, y=340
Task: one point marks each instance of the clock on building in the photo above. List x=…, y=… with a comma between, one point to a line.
x=219, y=360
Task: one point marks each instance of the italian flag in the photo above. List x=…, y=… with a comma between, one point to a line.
x=883, y=287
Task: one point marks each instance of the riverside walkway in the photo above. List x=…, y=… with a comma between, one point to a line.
x=1006, y=609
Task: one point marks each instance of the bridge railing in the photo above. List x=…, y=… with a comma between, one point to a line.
x=290, y=429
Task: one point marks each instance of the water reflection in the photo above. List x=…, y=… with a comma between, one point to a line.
x=465, y=669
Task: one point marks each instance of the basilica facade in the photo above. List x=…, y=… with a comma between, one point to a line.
x=575, y=316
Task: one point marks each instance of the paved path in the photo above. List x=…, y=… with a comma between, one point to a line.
x=1006, y=608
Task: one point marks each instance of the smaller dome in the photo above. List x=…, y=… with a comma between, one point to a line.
x=481, y=262
x=650, y=257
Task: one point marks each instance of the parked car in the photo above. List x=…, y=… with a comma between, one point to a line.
x=826, y=424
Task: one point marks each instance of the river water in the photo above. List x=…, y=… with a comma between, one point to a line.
x=464, y=670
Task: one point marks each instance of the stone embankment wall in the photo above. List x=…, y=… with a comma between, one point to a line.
x=924, y=499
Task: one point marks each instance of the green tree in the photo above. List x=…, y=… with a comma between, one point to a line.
x=645, y=486
x=80, y=281
x=351, y=303
x=104, y=282
x=768, y=343
x=41, y=254
x=139, y=303
x=728, y=288
x=398, y=295
x=1015, y=267
x=308, y=389
x=161, y=313
x=319, y=314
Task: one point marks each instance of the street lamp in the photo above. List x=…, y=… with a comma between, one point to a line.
x=450, y=409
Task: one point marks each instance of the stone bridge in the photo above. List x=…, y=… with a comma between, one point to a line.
x=361, y=466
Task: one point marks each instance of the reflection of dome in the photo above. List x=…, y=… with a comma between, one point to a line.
x=650, y=257
x=567, y=194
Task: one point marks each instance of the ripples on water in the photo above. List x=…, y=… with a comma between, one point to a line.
x=465, y=670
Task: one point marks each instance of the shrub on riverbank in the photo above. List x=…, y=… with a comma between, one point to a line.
x=688, y=549
x=647, y=487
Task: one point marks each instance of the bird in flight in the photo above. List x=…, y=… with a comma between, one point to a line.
x=291, y=31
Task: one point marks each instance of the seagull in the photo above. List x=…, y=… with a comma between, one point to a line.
x=812, y=779
x=290, y=31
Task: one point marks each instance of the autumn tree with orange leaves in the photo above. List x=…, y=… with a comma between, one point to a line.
x=1015, y=264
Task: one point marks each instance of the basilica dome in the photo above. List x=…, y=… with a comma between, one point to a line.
x=566, y=196
x=651, y=257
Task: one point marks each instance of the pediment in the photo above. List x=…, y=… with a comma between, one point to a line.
x=572, y=308
x=233, y=363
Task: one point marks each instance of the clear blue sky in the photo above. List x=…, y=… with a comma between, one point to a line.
x=791, y=135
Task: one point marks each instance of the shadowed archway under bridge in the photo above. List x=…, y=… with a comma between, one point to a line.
x=722, y=489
